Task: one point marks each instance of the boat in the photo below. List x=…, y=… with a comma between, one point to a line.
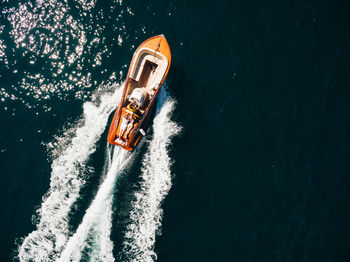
x=147, y=72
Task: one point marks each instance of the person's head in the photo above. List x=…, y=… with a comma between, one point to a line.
x=135, y=104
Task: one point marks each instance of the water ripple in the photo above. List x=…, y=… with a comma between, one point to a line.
x=54, y=49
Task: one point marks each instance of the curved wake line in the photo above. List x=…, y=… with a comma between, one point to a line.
x=146, y=214
x=51, y=241
x=92, y=239
x=52, y=231
x=93, y=234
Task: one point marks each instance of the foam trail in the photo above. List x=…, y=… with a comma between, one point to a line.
x=52, y=231
x=146, y=214
x=92, y=237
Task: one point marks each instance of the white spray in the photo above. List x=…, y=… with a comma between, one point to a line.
x=146, y=214
x=52, y=232
x=51, y=242
x=93, y=234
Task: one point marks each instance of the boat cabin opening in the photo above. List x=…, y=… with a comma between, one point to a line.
x=146, y=72
x=144, y=79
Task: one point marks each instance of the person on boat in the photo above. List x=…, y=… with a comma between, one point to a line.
x=132, y=106
x=129, y=128
x=124, y=125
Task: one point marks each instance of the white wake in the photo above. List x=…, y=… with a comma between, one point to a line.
x=67, y=179
x=146, y=214
x=51, y=240
x=92, y=237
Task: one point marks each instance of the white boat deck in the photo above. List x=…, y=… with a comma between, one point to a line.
x=149, y=69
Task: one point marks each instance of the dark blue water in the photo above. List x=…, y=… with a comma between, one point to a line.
x=259, y=171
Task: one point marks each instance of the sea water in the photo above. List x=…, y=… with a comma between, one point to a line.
x=245, y=160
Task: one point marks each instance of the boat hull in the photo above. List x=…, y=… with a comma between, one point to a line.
x=147, y=72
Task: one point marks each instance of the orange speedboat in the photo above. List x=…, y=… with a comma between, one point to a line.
x=147, y=72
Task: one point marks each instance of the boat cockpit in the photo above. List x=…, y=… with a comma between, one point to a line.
x=145, y=78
